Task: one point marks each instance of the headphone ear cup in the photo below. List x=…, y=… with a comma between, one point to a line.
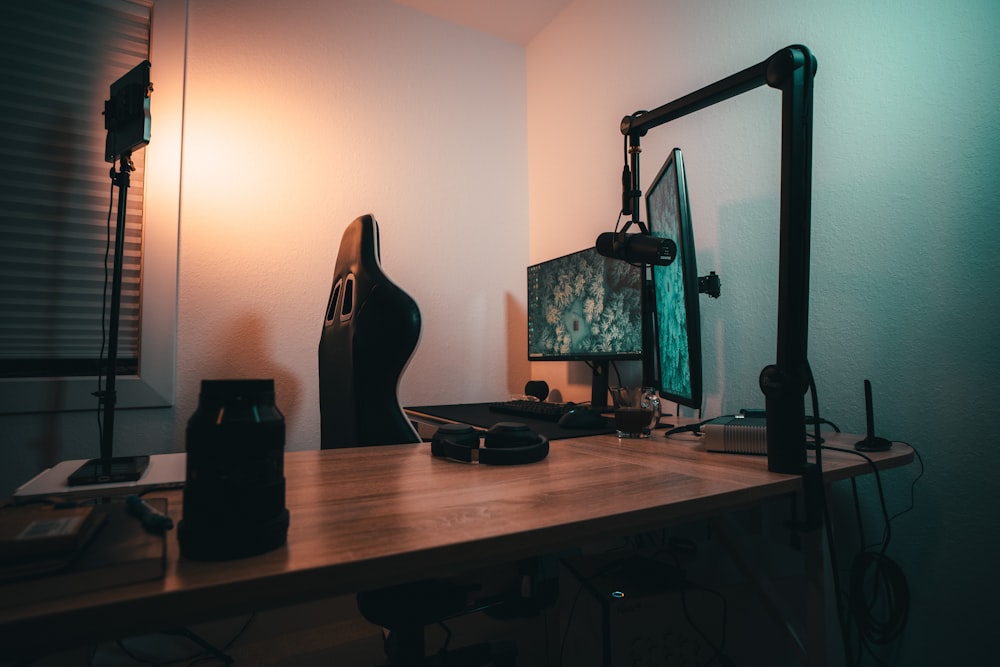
x=455, y=441
x=461, y=434
x=512, y=443
x=506, y=443
x=504, y=435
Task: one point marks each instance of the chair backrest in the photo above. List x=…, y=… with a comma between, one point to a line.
x=370, y=331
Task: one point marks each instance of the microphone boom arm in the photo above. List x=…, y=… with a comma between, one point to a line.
x=784, y=383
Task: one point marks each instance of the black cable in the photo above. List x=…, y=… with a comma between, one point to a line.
x=825, y=510
x=857, y=511
x=569, y=619
x=135, y=658
x=104, y=314
x=447, y=638
x=816, y=421
x=888, y=586
x=209, y=652
x=913, y=484
x=877, y=583
x=718, y=651
x=813, y=419
x=691, y=428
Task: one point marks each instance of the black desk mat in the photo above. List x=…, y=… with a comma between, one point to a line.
x=480, y=415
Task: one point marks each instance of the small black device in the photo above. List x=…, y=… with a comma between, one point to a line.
x=234, y=495
x=537, y=388
x=871, y=443
x=505, y=443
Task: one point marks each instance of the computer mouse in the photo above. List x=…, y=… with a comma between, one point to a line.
x=582, y=418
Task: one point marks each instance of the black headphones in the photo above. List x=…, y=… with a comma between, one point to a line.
x=505, y=443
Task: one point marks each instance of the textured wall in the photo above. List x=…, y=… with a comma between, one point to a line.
x=905, y=206
x=300, y=116
x=341, y=109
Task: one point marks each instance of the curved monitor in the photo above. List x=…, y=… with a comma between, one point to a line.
x=676, y=318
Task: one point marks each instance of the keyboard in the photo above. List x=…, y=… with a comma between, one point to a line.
x=532, y=409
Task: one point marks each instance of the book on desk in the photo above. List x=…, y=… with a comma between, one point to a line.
x=111, y=550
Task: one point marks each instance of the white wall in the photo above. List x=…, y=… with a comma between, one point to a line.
x=905, y=209
x=300, y=116
x=339, y=109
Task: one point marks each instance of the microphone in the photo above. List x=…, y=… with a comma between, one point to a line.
x=637, y=248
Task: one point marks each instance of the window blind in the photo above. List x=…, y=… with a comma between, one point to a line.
x=58, y=208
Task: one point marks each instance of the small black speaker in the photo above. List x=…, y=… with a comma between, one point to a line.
x=234, y=495
x=537, y=388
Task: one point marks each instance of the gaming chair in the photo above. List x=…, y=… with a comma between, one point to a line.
x=370, y=330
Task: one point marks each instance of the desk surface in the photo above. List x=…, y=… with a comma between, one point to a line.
x=368, y=517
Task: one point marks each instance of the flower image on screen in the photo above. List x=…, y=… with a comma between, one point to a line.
x=583, y=306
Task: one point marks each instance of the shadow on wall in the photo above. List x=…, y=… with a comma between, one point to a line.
x=739, y=330
x=518, y=369
x=245, y=354
x=47, y=445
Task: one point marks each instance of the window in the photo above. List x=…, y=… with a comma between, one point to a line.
x=57, y=62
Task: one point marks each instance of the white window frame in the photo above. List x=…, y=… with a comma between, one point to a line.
x=154, y=385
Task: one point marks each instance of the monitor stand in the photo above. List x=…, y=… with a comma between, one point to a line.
x=599, y=386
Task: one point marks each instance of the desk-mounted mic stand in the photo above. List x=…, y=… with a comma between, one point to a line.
x=126, y=117
x=785, y=382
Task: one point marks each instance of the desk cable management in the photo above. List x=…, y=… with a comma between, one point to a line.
x=875, y=579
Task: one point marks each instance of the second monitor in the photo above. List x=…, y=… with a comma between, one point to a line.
x=676, y=318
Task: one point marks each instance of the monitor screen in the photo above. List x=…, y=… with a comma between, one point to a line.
x=584, y=306
x=676, y=317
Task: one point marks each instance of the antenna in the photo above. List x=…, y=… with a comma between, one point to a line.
x=871, y=443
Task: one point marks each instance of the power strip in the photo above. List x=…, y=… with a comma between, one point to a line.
x=736, y=435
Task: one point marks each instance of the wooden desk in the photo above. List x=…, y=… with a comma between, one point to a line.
x=364, y=518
